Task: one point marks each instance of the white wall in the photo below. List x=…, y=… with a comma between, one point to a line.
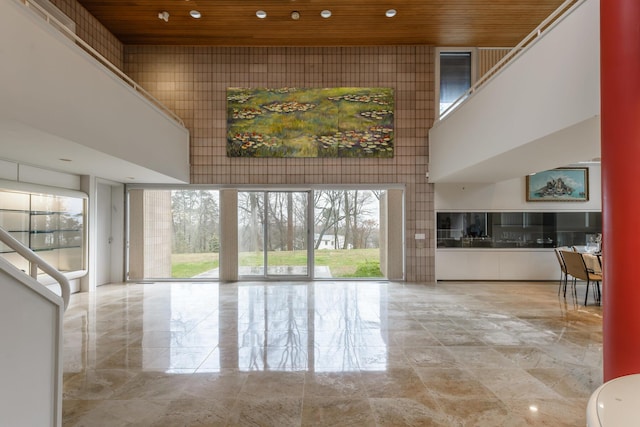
x=22, y=176
x=510, y=195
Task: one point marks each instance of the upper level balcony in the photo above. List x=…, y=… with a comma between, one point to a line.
x=539, y=111
x=63, y=109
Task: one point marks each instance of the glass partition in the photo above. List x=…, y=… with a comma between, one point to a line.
x=517, y=229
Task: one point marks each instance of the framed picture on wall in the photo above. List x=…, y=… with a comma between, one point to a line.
x=352, y=122
x=558, y=185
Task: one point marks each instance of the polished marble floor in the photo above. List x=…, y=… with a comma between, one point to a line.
x=330, y=354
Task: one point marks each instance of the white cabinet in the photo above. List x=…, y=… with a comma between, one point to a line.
x=496, y=264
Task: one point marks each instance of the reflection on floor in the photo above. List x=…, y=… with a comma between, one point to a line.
x=319, y=272
x=329, y=353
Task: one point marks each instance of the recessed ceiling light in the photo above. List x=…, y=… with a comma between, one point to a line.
x=295, y=15
x=195, y=14
x=325, y=13
x=261, y=14
x=390, y=13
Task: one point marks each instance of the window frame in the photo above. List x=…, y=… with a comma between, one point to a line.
x=474, y=71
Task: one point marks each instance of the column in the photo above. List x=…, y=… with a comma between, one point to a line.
x=620, y=120
x=136, y=234
x=395, y=241
x=228, y=235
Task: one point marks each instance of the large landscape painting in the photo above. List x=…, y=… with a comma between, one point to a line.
x=293, y=122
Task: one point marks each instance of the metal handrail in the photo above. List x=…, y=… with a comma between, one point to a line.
x=104, y=61
x=37, y=262
x=511, y=54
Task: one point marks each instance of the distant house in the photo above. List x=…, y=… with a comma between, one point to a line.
x=328, y=241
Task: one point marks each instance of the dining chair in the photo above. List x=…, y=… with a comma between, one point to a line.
x=599, y=261
x=593, y=263
x=564, y=277
x=577, y=268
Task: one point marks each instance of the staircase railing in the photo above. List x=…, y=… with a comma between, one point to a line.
x=535, y=34
x=104, y=61
x=36, y=262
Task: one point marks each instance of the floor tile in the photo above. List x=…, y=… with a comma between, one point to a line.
x=406, y=412
x=337, y=411
x=267, y=412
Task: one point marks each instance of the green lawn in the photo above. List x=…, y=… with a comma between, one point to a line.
x=350, y=262
x=342, y=263
x=188, y=265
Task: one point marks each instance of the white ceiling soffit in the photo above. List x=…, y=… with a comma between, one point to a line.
x=21, y=144
x=571, y=145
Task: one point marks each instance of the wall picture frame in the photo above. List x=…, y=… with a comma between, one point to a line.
x=351, y=122
x=558, y=185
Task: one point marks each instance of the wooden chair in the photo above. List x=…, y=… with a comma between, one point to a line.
x=577, y=268
x=593, y=263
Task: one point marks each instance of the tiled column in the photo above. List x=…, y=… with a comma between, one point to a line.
x=229, y=235
x=136, y=235
x=620, y=116
x=395, y=242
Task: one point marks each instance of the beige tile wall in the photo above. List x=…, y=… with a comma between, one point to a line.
x=89, y=29
x=192, y=81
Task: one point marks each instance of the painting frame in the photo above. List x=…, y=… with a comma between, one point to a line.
x=570, y=184
x=299, y=122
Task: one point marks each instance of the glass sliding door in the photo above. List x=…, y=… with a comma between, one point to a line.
x=273, y=233
x=251, y=256
x=347, y=233
x=287, y=250
x=332, y=233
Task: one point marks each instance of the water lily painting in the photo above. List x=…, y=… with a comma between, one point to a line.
x=294, y=122
x=559, y=185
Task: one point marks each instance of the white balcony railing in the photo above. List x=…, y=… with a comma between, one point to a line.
x=36, y=262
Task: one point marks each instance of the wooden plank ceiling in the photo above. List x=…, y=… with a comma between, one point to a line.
x=489, y=23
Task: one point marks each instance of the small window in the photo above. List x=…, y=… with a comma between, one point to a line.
x=455, y=74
